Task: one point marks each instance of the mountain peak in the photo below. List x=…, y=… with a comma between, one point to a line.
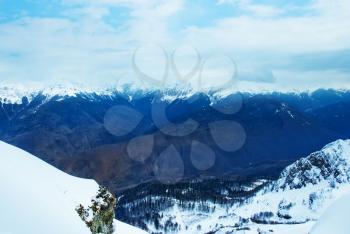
x=13, y=93
x=338, y=147
x=330, y=164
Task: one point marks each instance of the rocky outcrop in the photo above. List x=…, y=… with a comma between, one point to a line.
x=331, y=164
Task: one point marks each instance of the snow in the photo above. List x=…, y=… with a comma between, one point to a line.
x=38, y=198
x=12, y=93
x=337, y=147
x=303, y=204
x=335, y=219
x=123, y=228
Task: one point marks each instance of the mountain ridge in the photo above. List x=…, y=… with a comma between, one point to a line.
x=13, y=93
x=331, y=164
x=77, y=134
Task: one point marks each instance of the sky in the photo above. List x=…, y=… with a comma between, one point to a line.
x=258, y=44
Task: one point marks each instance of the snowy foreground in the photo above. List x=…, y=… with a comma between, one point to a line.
x=335, y=219
x=38, y=198
x=311, y=196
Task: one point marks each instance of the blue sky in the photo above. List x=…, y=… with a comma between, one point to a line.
x=275, y=43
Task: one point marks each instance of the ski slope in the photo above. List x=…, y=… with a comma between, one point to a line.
x=38, y=198
x=335, y=219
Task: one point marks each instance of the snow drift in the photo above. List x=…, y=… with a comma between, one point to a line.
x=335, y=219
x=38, y=198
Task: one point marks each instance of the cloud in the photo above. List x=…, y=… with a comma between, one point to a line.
x=261, y=75
x=90, y=40
x=247, y=6
x=322, y=61
x=81, y=45
x=50, y=49
x=322, y=31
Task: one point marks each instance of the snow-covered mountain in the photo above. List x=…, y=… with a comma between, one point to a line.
x=13, y=93
x=291, y=204
x=38, y=198
x=304, y=189
x=64, y=126
x=69, y=127
x=331, y=164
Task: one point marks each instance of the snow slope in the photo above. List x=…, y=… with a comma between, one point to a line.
x=335, y=219
x=306, y=188
x=291, y=204
x=38, y=198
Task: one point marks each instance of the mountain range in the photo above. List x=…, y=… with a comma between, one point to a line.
x=181, y=161
x=71, y=129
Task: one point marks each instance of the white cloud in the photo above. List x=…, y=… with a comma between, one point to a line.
x=87, y=49
x=84, y=46
x=259, y=10
x=326, y=29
